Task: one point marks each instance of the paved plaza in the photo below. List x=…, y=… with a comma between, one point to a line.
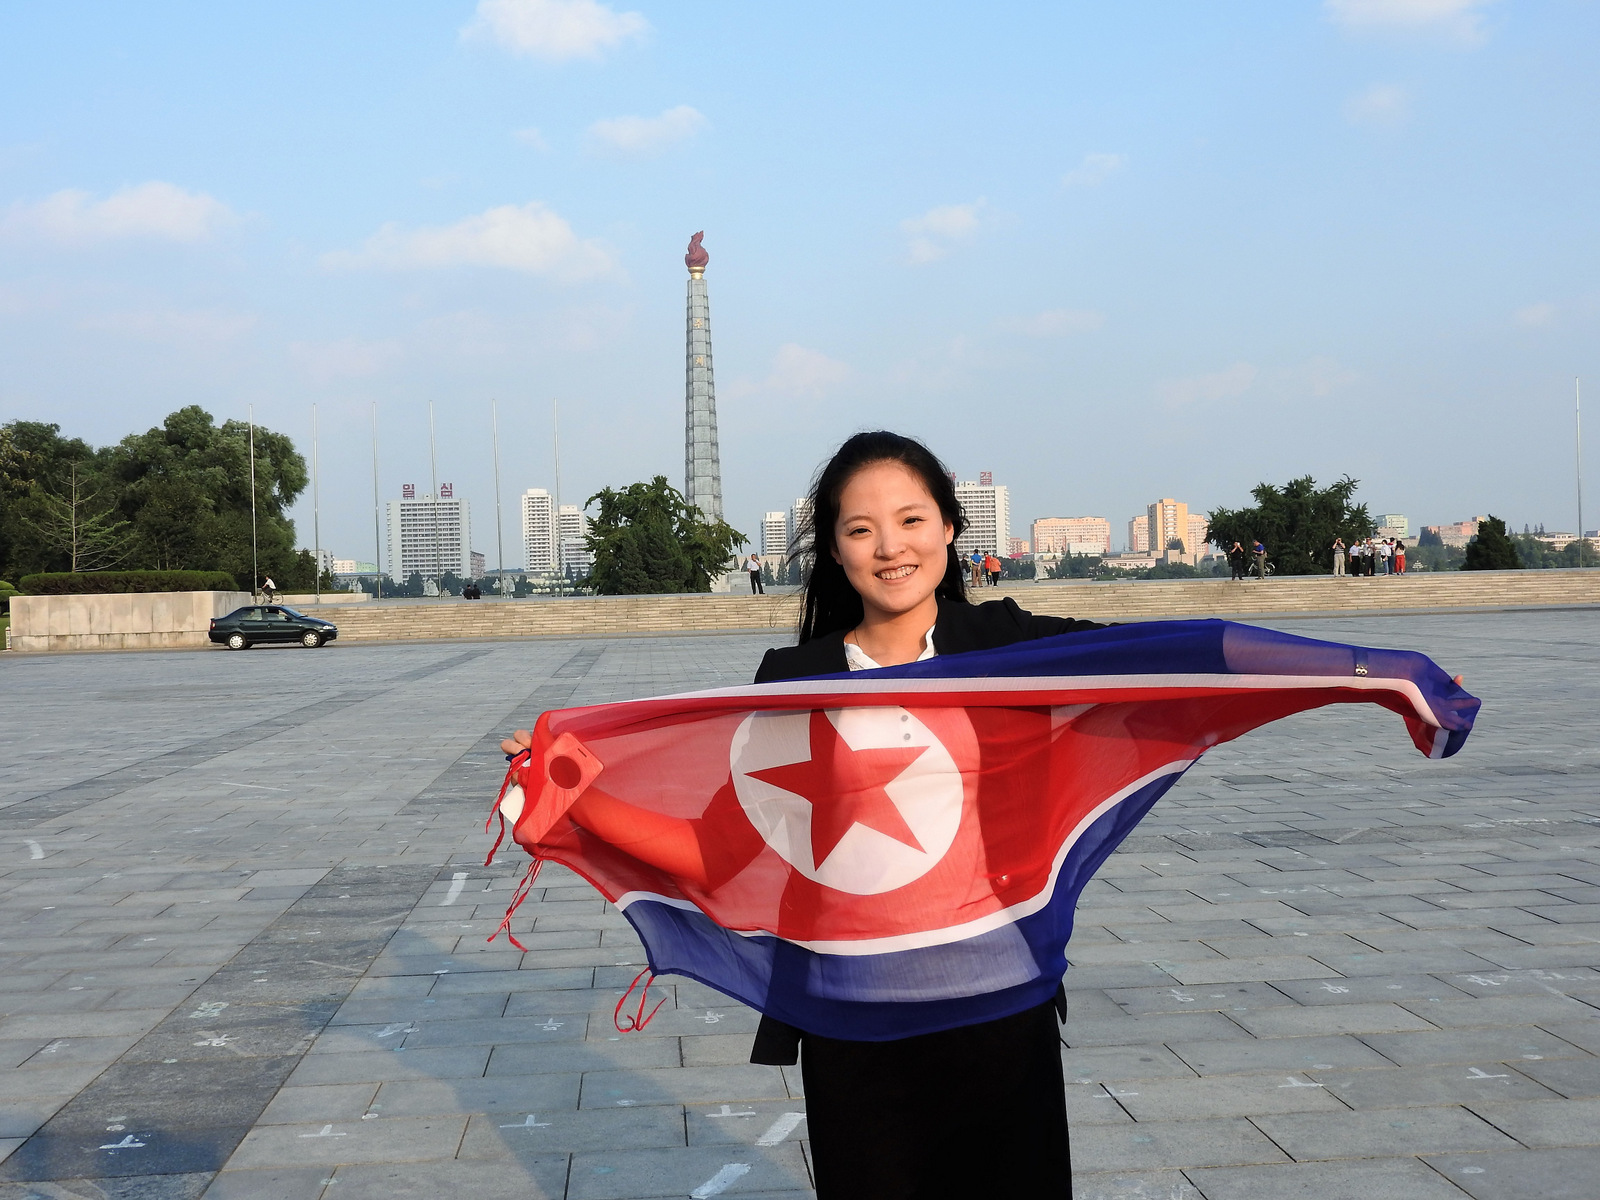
x=245, y=909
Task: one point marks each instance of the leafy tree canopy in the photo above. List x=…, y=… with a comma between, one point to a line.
x=1297, y=523
x=1492, y=549
x=176, y=497
x=647, y=539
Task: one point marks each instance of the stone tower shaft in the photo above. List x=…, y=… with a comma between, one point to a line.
x=702, y=461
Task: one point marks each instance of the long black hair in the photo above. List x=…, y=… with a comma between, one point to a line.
x=832, y=603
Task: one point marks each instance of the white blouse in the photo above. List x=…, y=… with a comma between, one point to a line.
x=857, y=659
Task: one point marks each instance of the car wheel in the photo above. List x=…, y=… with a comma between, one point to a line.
x=237, y=641
x=311, y=640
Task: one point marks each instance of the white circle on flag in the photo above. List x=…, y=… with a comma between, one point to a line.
x=866, y=861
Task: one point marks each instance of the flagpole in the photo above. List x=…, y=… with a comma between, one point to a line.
x=316, y=505
x=1577, y=414
x=377, y=523
x=561, y=558
x=499, y=539
x=255, y=565
x=433, y=507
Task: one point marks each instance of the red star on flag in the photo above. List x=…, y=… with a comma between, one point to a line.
x=845, y=787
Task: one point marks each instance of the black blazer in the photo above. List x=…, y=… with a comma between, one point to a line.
x=960, y=627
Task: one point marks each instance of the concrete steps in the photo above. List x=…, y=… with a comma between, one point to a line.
x=610, y=616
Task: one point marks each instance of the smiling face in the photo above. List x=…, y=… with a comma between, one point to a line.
x=890, y=539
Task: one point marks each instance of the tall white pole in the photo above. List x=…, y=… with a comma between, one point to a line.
x=560, y=542
x=499, y=537
x=255, y=565
x=377, y=523
x=433, y=508
x=1577, y=414
x=316, y=504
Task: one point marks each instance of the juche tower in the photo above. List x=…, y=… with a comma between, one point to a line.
x=702, y=463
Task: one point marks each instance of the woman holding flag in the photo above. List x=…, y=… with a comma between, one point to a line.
x=976, y=1110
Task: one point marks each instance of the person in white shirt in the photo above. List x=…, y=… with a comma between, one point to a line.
x=753, y=565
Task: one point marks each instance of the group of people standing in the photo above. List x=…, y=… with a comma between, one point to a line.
x=1239, y=559
x=985, y=569
x=1370, y=556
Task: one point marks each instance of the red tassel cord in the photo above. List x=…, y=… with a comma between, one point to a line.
x=638, y=1020
x=517, y=898
x=515, y=763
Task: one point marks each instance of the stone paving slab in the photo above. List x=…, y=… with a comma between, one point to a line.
x=1320, y=967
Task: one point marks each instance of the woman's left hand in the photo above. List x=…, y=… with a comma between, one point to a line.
x=523, y=740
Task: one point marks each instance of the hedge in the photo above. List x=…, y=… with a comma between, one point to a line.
x=67, y=583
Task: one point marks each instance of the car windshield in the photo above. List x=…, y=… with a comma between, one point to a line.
x=289, y=612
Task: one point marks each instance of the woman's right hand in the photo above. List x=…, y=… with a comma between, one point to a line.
x=518, y=742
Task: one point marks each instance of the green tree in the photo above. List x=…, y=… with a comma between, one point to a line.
x=647, y=539
x=1296, y=522
x=76, y=520
x=1491, y=550
x=35, y=463
x=187, y=493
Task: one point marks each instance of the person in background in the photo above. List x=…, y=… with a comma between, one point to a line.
x=1237, y=559
x=753, y=565
x=1399, y=557
x=269, y=589
x=1386, y=554
x=991, y=564
x=977, y=568
x=1338, y=556
x=1260, y=552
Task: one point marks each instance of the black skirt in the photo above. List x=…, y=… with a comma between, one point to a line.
x=971, y=1112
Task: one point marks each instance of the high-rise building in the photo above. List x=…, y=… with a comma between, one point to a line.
x=538, y=532
x=1072, y=535
x=1168, y=522
x=702, y=461
x=1017, y=547
x=575, y=557
x=429, y=536
x=478, y=565
x=1393, y=525
x=775, y=536
x=988, y=510
x=1199, y=534
x=1139, y=535
x=799, y=522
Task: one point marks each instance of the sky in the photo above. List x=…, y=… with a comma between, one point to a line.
x=1109, y=252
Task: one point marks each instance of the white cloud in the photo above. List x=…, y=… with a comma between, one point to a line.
x=1094, y=170
x=346, y=358
x=181, y=327
x=157, y=210
x=646, y=135
x=1059, y=322
x=1536, y=314
x=527, y=237
x=1323, y=375
x=797, y=371
x=554, y=30
x=933, y=232
x=531, y=138
x=1380, y=104
x=1218, y=385
x=1459, y=19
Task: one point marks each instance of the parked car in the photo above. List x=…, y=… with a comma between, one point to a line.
x=265, y=623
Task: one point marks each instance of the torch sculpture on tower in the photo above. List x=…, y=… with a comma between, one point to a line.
x=702, y=463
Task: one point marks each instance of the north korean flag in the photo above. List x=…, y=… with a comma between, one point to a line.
x=887, y=853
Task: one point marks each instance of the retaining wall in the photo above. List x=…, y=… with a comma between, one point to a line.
x=120, y=621
x=181, y=618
